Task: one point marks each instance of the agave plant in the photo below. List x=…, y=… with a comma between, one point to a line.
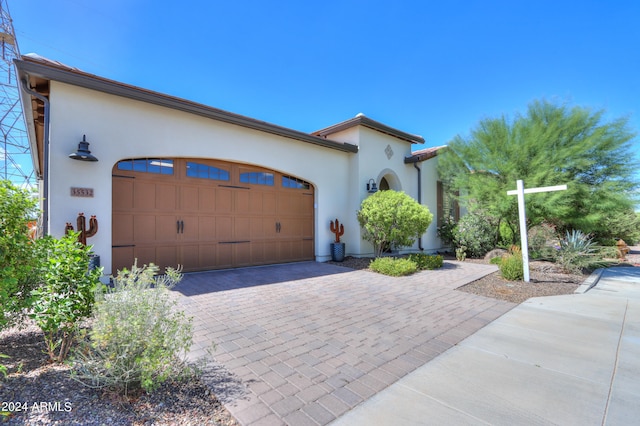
x=578, y=251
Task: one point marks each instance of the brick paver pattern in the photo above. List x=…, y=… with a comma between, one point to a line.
x=304, y=343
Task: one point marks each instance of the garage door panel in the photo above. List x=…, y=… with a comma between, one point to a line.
x=224, y=255
x=307, y=205
x=145, y=256
x=144, y=195
x=269, y=203
x=121, y=258
x=189, y=199
x=207, y=256
x=242, y=254
x=189, y=228
x=189, y=256
x=207, y=199
x=242, y=229
x=308, y=249
x=224, y=228
x=268, y=251
x=122, y=228
x=166, y=256
x=242, y=203
x=224, y=200
x=144, y=227
x=166, y=197
x=207, y=228
x=307, y=228
x=256, y=202
x=262, y=202
x=123, y=190
x=166, y=228
x=205, y=223
x=291, y=228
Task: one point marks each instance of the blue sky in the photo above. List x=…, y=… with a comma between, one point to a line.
x=425, y=67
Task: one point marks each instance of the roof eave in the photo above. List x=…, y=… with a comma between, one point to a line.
x=372, y=124
x=89, y=81
x=423, y=156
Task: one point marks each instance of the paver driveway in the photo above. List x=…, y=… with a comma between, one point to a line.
x=304, y=343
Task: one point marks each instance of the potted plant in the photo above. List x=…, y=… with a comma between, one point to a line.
x=337, y=248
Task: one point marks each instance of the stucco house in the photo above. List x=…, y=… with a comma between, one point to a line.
x=177, y=182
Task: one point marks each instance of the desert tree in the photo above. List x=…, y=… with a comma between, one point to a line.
x=550, y=144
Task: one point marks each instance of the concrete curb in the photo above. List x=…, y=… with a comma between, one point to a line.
x=590, y=282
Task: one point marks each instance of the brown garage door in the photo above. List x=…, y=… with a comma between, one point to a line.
x=208, y=215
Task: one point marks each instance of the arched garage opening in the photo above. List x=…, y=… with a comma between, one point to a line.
x=208, y=214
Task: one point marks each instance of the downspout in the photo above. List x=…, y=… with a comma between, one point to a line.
x=419, y=198
x=45, y=162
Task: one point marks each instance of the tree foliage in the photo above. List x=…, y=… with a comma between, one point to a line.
x=550, y=145
x=392, y=219
x=18, y=259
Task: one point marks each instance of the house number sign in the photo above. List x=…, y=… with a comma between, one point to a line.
x=82, y=192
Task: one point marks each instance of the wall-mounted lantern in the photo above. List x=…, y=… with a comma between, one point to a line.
x=83, y=153
x=371, y=186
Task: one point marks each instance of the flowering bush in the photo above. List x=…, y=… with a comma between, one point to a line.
x=477, y=232
x=447, y=230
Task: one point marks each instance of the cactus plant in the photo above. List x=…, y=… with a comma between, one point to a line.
x=82, y=228
x=337, y=229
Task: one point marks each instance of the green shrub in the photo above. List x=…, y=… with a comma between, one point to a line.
x=476, y=231
x=138, y=339
x=496, y=260
x=542, y=240
x=508, y=235
x=446, y=231
x=394, y=267
x=392, y=219
x=577, y=251
x=623, y=225
x=18, y=259
x=511, y=267
x=66, y=295
x=426, y=261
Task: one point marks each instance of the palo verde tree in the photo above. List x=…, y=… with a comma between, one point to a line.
x=549, y=145
x=392, y=219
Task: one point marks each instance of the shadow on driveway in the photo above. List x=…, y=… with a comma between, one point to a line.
x=197, y=283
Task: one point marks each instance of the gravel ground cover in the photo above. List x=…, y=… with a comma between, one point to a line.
x=39, y=393
x=546, y=279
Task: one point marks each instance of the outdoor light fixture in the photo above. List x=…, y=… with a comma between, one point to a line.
x=83, y=153
x=371, y=186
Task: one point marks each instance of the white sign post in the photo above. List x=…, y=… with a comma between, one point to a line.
x=520, y=191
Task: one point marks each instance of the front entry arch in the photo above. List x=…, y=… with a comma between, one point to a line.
x=208, y=214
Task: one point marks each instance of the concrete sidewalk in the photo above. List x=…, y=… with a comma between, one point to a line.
x=567, y=360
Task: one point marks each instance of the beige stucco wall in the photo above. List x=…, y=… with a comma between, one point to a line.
x=119, y=128
x=372, y=162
